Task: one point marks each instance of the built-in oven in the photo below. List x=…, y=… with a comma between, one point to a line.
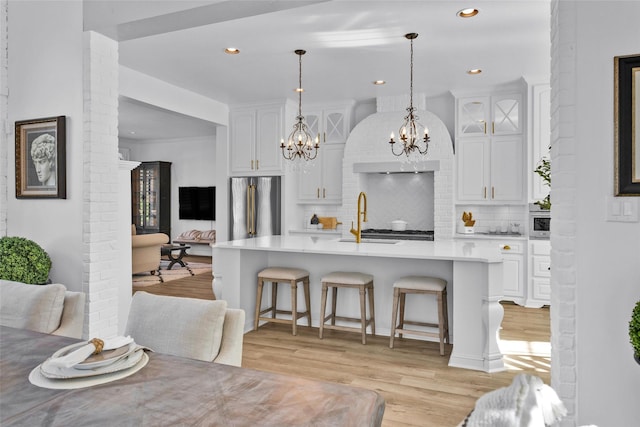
x=539, y=222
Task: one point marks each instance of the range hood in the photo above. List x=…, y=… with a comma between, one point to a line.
x=397, y=167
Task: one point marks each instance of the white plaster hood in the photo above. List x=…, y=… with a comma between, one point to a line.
x=367, y=154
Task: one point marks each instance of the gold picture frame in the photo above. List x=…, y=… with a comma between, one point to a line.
x=627, y=125
x=41, y=158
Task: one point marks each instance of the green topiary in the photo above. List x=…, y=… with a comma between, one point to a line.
x=634, y=330
x=23, y=260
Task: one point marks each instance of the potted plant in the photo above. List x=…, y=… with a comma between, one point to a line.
x=544, y=171
x=634, y=331
x=23, y=260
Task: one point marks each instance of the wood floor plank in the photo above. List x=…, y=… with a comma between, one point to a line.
x=418, y=386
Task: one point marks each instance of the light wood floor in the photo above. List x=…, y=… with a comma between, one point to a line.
x=418, y=387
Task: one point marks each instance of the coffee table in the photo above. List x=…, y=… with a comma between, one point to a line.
x=169, y=251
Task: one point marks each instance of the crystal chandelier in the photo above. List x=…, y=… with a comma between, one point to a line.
x=413, y=135
x=300, y=144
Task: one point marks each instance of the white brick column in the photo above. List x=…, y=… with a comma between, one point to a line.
x=4, y=115
x=564, y=209
x=100, y=189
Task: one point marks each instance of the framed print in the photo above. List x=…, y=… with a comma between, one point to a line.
x=627, y=125
x=41, y=158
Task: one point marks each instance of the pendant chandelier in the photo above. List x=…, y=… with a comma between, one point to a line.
x=414, y=136
x=300, y=144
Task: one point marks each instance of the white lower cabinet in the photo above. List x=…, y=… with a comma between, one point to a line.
x=539, y=287
x=514, y=271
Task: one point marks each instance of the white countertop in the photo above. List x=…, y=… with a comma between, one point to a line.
x=449, y=250
x=490, y=236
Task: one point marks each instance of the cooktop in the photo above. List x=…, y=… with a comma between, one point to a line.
x=383, y=233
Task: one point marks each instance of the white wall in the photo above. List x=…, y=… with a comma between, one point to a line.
x=193, y=163
x=595, y=263
x=45, y=78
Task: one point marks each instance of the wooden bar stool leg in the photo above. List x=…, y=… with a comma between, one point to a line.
x=394, y=315
x=334, y=301
x=274, y=298
x=446, y=316
x=372, y=311
x=441, y=323
x=307, y=299
x=258, y=304
x=363, y=315
x=294, y=307
x=401, y=321
x=323, y=306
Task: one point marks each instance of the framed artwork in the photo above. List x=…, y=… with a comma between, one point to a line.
x=627, y=125
x=41, y=158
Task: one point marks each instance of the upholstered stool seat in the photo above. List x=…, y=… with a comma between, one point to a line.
x=276, y=275
x=343, y=279
x=420, y=285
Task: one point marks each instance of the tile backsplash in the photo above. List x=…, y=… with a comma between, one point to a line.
x=406, y=196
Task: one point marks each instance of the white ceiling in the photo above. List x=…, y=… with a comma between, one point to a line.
x=349, y=44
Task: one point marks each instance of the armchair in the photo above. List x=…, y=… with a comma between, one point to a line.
x=145, y=251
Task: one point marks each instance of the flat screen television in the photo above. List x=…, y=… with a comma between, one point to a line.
x=197, y=203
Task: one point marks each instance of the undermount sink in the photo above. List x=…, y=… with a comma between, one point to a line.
x=385, y=241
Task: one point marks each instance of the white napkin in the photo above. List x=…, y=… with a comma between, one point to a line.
x=81, y=354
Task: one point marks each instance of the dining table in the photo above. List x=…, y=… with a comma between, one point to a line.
x=172, y=391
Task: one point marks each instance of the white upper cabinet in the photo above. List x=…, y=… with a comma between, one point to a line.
x=331, y=123
x=490, y=115
x=490, y=169
x=254, y=147
x=490, y=152
x=473, y=116
x=540, y=136
x=320, y=181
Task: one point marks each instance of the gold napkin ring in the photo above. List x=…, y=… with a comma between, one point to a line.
x=98, y=343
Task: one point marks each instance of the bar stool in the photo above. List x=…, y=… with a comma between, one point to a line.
x=340, y=279
x=420, y=285
x=292, y=276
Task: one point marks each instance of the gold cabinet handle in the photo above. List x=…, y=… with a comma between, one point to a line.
x=506, y=247
x=493, y=192
x=485, y=193
x=493, y=128
x=324, y=193
x=485, y=128
x=324, y=136
x=251, y=164
x=257, y=164
x=317, y=192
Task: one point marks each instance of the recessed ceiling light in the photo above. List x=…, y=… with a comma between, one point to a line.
x=232, y=51
x=132, y=132
x=474, y=71
x=468, y=13
x=379, y=82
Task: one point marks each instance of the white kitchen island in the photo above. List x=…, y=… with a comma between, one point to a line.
x=473, y=271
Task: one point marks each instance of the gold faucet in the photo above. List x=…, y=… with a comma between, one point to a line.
x=362, y=213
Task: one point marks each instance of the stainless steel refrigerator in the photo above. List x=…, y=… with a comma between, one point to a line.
x=255, y=206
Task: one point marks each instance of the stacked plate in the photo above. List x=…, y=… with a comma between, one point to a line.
x=106, y=362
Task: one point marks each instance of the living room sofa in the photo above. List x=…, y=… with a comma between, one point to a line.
x=145, y=251
x=50, y=309
x=204, y=237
